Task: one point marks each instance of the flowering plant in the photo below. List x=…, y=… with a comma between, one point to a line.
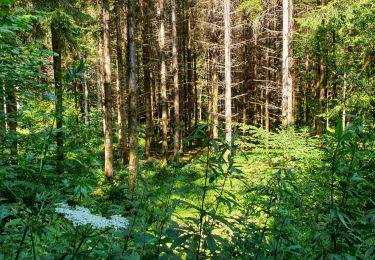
x=82, y=216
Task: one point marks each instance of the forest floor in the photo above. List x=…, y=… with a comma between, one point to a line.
x=250, y=170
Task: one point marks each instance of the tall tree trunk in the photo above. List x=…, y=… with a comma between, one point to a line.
x=57, y=71
x=209, y=91
x=107, y=108
x=12, y=111
x=121, y=84
x=86, y=100
x=255, y=83
x=215, y=94
x=133, y=108
x=176, y=147
x=189, y=63
x=2, y=114
x=214, y=65
x=147, y=78
x=228, y=74
x=196, y=94
x=76, y=105
x=306, y=89
x=163, y=82
x=99, y=81
x=345, y=87
x=287, y=83
x=320, y=93
x=99, y=74
x=267, y=90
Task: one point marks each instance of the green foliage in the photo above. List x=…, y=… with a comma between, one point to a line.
x=285, y=148
x=345, y=226
x=251, y=7
x=340, y=34
x=280, y=195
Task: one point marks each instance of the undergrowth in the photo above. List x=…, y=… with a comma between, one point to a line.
x=281, y=195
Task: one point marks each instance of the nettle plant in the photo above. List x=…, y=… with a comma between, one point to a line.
x=346, y=222
x=208, y=229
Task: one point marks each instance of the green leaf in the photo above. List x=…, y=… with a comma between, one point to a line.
x=133, y=256
x=215, y=146
x=369, y=252
x=211, y=244
x=181, y=240
x=294, y=248
x=342, y=218
x=6, y=2
x=4, y=212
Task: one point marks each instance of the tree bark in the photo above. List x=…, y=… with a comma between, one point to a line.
x=76, y=105
x=163, y=82
x=86, y=100
x=176, y=102
x=2, y=115
x=147, y=79
x=213, y=64
x=57, y=71
x=255, y=84
x=99, y=74
x=267, y=90
x=320, y=93
x=287, y=83
x=107, y=107
x=196, y=94
x=121, y=84
x=189, y=63
x=12, y=111
x=215, y=94
x=228, y=74
x=133, y=108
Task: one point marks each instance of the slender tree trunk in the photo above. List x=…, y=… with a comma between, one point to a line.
x=287, y=84
x=2, y=114
x=184, y=92
x=344, y=105
x=267, y=90
x=81, y=98
x=107, y=108
x=99, y=71
x=189, y=60
x=196, y=94
x=210, y=91
x=99, y=85
x=133, y=107
x=99, y=74
x=306, y=88
x=175, y=83
x=327, y=108
x=245, y=79
x=86, y=100
x=163, y=82
x=147, y=78
x=57, y=71
x=228, y=74
x=213, y=68
x=12, y=111
x=255, y=84
x=121, y=84
x=76, y=106
x=320, y=92
x=215, y=94
x=201, y=89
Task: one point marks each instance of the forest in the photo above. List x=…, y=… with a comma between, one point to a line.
x=187, y=129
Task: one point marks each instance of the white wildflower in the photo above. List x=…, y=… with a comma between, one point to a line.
x=82, y=216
